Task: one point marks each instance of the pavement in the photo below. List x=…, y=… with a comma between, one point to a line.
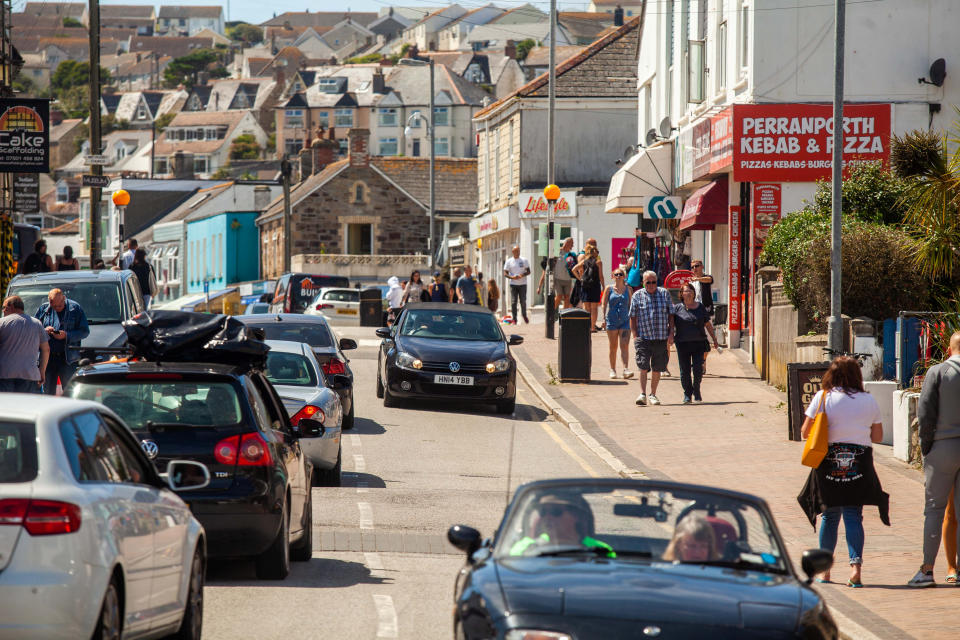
x=737, y=439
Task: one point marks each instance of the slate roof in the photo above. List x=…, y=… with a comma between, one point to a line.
x=413, y=85
x=114, y=11
x=202, y=92
x=308, y=186
x=455, y=185
x=65, y=127
x=319, y=18
x=182, y=11
x=584, y=26
x=388, y=24
x=223, y=93
x=606, y=68
x=110, y=101
x=540, y=56
x=200, y=119
x=59, y=9
x=165, y=45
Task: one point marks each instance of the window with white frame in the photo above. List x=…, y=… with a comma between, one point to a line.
x=161, y=166
x=416, y=148
x=293, y=118
x=201, y=164
x=388, y=147
x=441, y=116
x=63, y=192
x=343, y=117
x=292, y=146
x=441, y=147
x=720, y=74
x=141, y=112
x=743, y=52
x=323, y=119
x=387, y=117
x=696, y=71
x=343, y=146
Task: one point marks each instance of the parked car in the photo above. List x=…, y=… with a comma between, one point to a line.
x=94, y=543
x=595, y=558
x=230, y=418
x=257, y=307
x=294, y=372
x=438, y=350
x=338, y=306
x=295, y=291
x=108, y=298
x=316, y=332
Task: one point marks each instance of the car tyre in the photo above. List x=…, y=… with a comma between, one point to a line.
x=302, y=550
x=347, y=423
x=379, y=385
x=110, y=622
x=274, y=563
x=506, y=406
x=191, y=626
x=389, y=400
x=330, y=477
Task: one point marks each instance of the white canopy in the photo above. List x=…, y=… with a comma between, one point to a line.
x=648, y=173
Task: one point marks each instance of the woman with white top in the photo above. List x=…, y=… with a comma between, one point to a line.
x=846, y=479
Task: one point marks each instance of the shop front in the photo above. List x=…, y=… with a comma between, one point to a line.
x=493, y=235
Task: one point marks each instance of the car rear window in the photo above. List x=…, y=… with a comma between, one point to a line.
x=163, y=401
x=314, y=334
x=18, y=451
x=100, y=301
x=291, y=369
x=342, y=295
x=305, y=288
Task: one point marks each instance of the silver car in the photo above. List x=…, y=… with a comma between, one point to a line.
x=299, y=380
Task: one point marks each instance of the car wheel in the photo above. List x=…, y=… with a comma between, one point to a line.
x=110, y=620
x=389, y=400
x=191, y=626
x=302, y=551
x=379, y=385
x=330, y=477
x=506, y=406
x=347, y=423
x=274, y=563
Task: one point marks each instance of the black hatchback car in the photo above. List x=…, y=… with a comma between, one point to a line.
x=448, y=351
x=230, y=418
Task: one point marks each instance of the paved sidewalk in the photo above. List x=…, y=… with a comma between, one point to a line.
x=737, y=438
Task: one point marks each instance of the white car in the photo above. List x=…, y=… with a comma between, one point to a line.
x=337, y=305
x=94, y=543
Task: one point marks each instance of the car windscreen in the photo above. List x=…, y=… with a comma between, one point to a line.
x=163, y=400
x=100, y=301
x=450, y=325
x=18, y=451
x=291, y=369
x=305, y=288
x=314, y=334
x=656, y=524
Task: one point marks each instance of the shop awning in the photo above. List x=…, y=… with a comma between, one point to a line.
x=648, y=173
x=706, y=207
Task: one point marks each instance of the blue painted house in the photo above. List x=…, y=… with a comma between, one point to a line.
x=222, y=249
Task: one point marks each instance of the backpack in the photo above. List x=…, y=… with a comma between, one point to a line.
x=590, y=278
x=570, y=261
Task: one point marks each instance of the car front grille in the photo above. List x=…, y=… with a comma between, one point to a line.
x=444, y=367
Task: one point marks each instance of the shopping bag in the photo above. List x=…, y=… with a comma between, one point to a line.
x=815, y=448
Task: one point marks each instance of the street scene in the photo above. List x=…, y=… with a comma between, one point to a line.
x=519, y=321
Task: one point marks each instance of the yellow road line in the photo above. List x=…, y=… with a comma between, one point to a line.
x=570, y=452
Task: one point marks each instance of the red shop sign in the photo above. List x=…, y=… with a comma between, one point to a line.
x=733, y=309
x=678, y=278
x=794, y=142
x=721, y=140
x=766, y=211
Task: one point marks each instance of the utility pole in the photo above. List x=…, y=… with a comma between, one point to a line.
x=835, y=324
x=285, y=170
x=95, y=143
x=433, y=153
x=551, y=127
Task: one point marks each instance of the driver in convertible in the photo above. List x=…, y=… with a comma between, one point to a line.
x=559, y=520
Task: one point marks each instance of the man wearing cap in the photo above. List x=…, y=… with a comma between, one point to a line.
x=559, y=520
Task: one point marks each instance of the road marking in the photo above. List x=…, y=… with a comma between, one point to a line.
x=359, y=464
x=366, y=515
x=368, y=342
x=570, y=452
x=374, y=564
x=354, y=440
x=386, y=616
x=362, y=487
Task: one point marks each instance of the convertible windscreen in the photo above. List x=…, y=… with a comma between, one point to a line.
x=164, y=402
x=614, y=522
x=450, y=325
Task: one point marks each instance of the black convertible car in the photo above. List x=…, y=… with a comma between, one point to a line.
x=448, y=351
x=611, y=558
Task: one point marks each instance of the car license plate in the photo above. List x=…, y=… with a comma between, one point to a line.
x=445, y=379
x=349, y=312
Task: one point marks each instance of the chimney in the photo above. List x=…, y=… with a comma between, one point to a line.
x=181, y=166
x=378, y=81
x=413, y=52
x=56, y=117
x=510, y=49
x=279, y=76
x=261, y=197
x=324, y=152
x=306, y=164
x=357, y=147
x=618, y=16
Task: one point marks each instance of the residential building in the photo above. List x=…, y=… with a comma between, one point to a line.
x=56, y=10
x=128, y=16
x=595, y=106
x=63, y=136
x=129, y=150
x=164, y=46
x=424, y=33
x=139, y=109
x=220, y=245
x=258, y=95
x=347, y=38
x=491, y=69
x=524, y=14
x=390, y=25
x=35, y=69
x=538, y=59
x=497, y=36
x=319, y=18
x=136, y=71
x=585, y=27
x=183, y=20
x=454, y=35
x=630, y=9
x=201, y=142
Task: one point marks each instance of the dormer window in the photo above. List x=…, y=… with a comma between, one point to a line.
x=63, y=192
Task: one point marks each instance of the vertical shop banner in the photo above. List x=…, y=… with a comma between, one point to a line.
x=766, y=211
x=24, y=135
x=733, y=311
x=701, y=148
x=794, y=142
x=721, y=140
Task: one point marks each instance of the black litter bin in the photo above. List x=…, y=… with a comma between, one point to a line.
x=371, y=307
x=574, y=346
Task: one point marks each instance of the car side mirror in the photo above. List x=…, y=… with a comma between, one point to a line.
x=186, y=475
x=816, y=561
x=465, y=538
x=310, y=428
x=346, y=344
x=383, y=332
x=514, y=340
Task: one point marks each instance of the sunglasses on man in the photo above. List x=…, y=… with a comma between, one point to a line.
x=554, y=510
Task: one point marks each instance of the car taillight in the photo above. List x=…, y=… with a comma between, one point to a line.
x=40, y=517
x=322, y=306
x=248, y=450
x=308, y=411
x=333, y=366
x=226, y=450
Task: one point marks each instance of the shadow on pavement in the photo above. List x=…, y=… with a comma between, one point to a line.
x=318, y=573
x=366, y=426
x=521, y=412
x=355, y=479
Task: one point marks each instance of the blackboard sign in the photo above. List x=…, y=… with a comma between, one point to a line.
x=26, y=193
x=803, y=382
x=24, y=135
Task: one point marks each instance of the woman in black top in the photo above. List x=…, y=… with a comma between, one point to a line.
x=140, y=267
x=690, y=319
x=67, y=262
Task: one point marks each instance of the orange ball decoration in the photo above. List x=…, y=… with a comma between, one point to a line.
x=551, y=192
x=121, y=198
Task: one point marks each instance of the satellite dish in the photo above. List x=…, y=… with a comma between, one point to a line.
x=665, y=127
x=652, y=137
x=938, y=71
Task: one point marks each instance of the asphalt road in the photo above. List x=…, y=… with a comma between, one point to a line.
x=381, y=565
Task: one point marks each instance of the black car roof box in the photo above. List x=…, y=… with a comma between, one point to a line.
x=183, y=336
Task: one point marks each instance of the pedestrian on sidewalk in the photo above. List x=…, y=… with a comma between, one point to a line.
x=616, y=312
x=938, y=413
x=457, y=272
x=67, y=262
x=394, y=299
x=651, y=323
x=493, y=295
x=414, y=289
x=691, y=319
x=39, y=261
x=22, y=339
x=517, y=270
x=846, y=479
x=438, y=290
x=467, y=287
x=702, y=285
x=126, y=258
x=589, y=272
x=561, y=266
x=950, y=539
x=145, y=276
x=66, y=325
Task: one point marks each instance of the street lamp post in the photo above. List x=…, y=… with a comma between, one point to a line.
x=552, y=193
x=406, y=132
x=121, y=198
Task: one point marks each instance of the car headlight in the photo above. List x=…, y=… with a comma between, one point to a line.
x=498, y=366
x=534, y=634
x=407, y=361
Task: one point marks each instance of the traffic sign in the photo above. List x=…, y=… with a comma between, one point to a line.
x=97, y=159
x=95, y=181
x=663, y=207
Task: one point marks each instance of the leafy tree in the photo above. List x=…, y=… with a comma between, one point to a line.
x=26, y=87
x=71, y=74
x=184, y=70
x=75, y=101
x=870, y=193
x=72, y=22
x=222, y=173
x=246, y=33
x=370, y=57
x=523, y=48
x=244, y=147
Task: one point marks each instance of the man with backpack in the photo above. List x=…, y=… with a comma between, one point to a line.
x=517, y=269
x=562, y=267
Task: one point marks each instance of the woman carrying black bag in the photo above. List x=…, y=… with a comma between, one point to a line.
x=690, y=320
